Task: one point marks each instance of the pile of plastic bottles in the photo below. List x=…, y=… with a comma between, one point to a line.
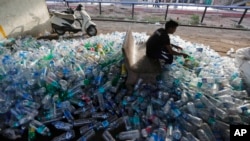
x=78, y=87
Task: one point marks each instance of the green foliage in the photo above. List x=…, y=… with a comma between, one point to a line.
x=195, y=19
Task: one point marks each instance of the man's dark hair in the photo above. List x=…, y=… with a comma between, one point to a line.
x=171, y=24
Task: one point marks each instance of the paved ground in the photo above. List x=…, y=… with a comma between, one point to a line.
x=221, y=40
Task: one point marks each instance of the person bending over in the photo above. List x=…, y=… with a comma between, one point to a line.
x=158, y=45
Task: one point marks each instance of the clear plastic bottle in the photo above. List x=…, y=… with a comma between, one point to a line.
x=138, y=83
x=191, y=108
x=67, y=114
x=10, y=133
x=25, y=119
x=205, y=127
x=177, y=132
x=81, y=122
x=145, y=132
x=167, y=106
x=87, y=135
x=129, y=135
x=65, y=136
x=202, y=135
x=100, y=115
x=116, y=123
x=81, y=110
x=127, y=122
x=84, y=129
x=101, y=102
x=193, y=119
x=162, y=133
x=186, y=125
x=30, y=104
x=149, y=111
x=107, y=136
x=99, y=78
x=244, y=108
x=40, y=128
x=190, y=136
x=62, y=125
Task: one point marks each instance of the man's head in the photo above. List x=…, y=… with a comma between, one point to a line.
x=170, y=26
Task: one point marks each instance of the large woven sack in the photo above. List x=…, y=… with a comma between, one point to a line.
x=242, y=60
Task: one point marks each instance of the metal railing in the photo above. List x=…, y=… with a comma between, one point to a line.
x=244, y=9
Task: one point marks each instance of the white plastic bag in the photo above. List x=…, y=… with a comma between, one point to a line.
x=242, y=60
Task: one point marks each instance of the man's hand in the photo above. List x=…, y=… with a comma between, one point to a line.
x=178, y=48
x=185, y=55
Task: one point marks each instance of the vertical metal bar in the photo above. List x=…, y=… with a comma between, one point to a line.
x=166, y=13
x=243, y=15
x=100, y=8
x=205, y=10
x=133, y=6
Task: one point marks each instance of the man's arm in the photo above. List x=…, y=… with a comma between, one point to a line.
x=177, y=47
x=171, y=51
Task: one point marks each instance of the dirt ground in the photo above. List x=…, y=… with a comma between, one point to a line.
x=221, y=40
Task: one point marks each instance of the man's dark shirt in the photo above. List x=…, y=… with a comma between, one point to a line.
x=157, y=42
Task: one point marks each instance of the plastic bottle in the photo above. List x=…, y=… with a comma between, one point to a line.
x=102, y=125
x=129, y=135
x=202, y=135
x=225, y=91
x=243, y=108
x=25, y=119
x=101, y=100
x=100, y=116
x=99, y=78
x=47, y=101
x=67, y=114
x=81, y=122
x=186, y=125
x=52, y=79
x=31, y=134
x=87, y=127
x=65, y=136
x=10, y=133
x=82, y=110
x=107, y=136
x=40, y=128
x=63, y=84
x=190, y=136
x=77, y=102
x=62, y=125
x=115, y=123
x=149, y=111
x=145, y=132
x=205, y=127
x=162, y=133
x=184, y=139
x=193, y=119
x=191, y=108
x=138, y=83
x=30, y=104
x=127, y=122
x=220, y=113
x=16, y=114
x=169, y=132
x=87, y=135
x=167, y=106
x=51, y=115
x=177, y=132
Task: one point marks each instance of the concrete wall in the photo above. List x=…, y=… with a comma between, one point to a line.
x=21, y=17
